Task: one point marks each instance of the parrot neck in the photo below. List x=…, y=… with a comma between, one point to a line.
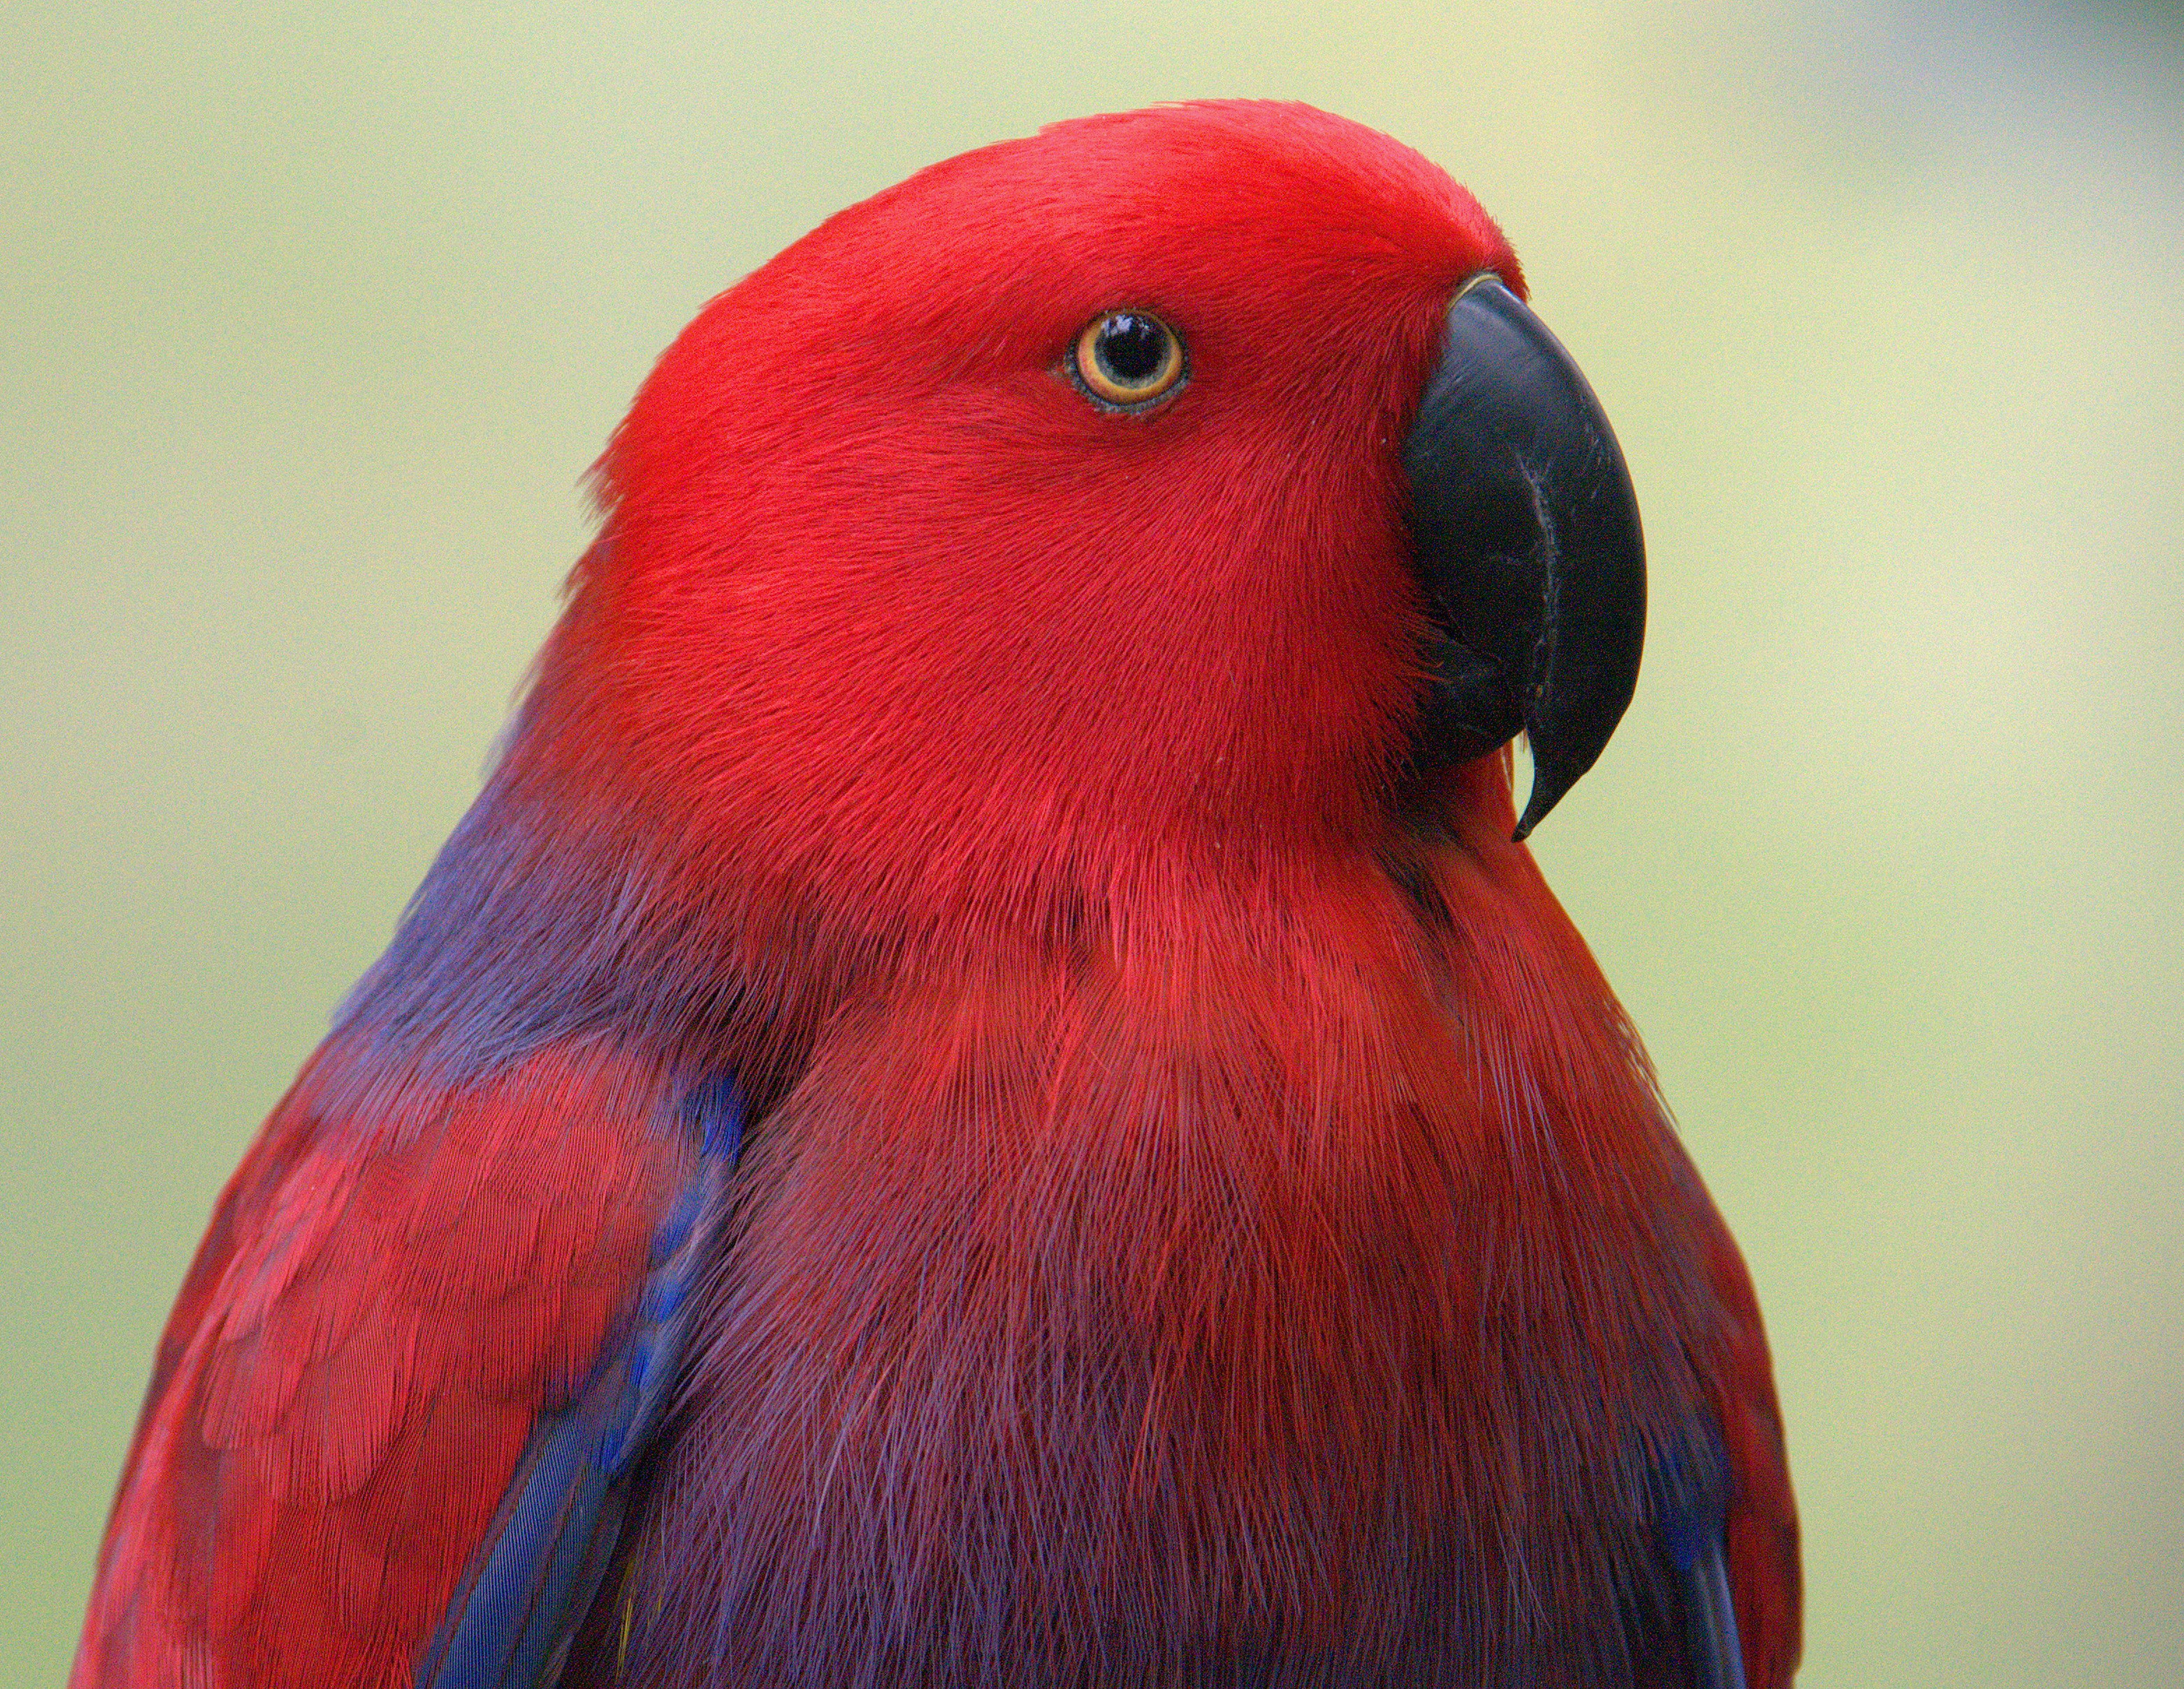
x=554, y=910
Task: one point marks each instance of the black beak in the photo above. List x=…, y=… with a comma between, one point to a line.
x=1526, y=537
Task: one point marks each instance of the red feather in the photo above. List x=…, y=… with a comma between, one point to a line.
x=396, y=1281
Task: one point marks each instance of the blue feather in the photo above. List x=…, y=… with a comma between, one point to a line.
x=1690, y=1513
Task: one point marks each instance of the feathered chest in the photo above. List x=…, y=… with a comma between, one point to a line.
x=1082, y=1326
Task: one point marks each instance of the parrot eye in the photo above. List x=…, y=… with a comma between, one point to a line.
x=1127, y=360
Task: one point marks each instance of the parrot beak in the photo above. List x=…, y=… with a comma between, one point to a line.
x=1525, y=536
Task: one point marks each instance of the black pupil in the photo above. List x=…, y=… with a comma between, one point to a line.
x=1131, y=349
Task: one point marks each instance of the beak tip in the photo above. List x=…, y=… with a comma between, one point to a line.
x=1548, y=787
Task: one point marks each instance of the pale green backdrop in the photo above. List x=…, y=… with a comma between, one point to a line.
x=314, y=316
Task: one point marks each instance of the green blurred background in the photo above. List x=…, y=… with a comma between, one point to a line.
x=318, y=314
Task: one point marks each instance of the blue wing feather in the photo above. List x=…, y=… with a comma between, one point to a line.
x=1690, y=1515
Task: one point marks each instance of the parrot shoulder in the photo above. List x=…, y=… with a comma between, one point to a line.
x=1760, y=1531
x=402, y=1279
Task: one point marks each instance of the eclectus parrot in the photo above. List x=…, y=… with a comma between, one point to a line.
x=989, y=1097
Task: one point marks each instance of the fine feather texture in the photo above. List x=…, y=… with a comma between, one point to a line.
x=387, y=1299
x=1208, y=1220
x=535, y=1574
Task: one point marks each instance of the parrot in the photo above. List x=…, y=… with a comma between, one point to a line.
x=990, y=1094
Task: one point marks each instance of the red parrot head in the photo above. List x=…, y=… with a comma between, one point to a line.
x=1168, y=486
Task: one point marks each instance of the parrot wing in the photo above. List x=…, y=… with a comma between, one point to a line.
x=1724, y=1522
x=394, y=1414
x=1744, y=1585
x=1691, y=1523
x=532, y=1580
